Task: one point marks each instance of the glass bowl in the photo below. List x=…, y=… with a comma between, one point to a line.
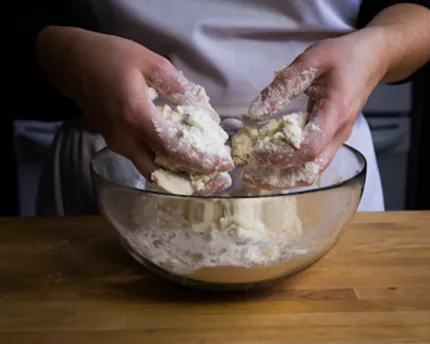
x=236, y=239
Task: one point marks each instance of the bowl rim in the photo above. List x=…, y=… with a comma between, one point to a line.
x=358, y=175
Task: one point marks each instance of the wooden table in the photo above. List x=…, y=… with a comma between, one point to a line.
x=67, y=280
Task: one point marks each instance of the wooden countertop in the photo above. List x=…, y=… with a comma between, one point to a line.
x=67, y=280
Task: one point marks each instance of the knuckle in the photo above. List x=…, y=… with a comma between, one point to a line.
x=160, y=65
x=309, y=58
x=336, y=108
x=312, y=151
x=130, y=112
x=122, y=108
x=131, y=118
x=301, y=60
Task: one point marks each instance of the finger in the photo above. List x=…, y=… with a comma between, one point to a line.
x=298, y=176
x=280, y=179
x=137, y=152
x=143, y=159
x=288, y=83
x=177, y=89
x=324, y=121
x=141, y=116
x=221, y=182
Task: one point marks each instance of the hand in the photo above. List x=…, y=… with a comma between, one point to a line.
x=338, y=76
x=110, y=78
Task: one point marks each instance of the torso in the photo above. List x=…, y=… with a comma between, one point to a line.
x=232, y=48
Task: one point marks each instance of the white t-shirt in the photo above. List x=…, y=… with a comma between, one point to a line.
x=233, y=47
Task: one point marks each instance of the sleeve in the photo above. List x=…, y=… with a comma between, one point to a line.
x=370, y=8
x=32, y=95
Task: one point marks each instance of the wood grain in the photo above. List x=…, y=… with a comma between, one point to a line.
x=68, y=280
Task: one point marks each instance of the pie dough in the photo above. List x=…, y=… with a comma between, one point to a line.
x=277, y=131
x=197, y=129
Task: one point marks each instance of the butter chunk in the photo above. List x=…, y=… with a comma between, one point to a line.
x=286, y=129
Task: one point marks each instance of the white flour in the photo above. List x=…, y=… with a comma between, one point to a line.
x=194, y=234
x=195, y=95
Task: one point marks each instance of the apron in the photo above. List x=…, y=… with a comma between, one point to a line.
x=231, y=48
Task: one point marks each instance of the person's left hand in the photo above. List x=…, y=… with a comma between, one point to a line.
x=338, y=75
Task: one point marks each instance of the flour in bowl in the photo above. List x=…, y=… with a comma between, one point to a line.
x=197, y=233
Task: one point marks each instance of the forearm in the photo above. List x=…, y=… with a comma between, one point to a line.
x=407, y=44
x=55, y=45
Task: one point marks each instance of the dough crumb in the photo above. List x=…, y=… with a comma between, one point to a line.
x=277, y=131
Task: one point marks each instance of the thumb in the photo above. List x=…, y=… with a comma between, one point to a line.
x=289, y=82
x=177, y=89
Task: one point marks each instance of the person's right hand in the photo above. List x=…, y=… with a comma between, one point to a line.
x=110, y=79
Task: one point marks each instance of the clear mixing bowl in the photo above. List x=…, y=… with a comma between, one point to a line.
x=237, y=239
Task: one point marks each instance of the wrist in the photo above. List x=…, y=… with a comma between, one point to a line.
x=407, y=44
x=383, y=50
x=387, y=51
x=392, y=51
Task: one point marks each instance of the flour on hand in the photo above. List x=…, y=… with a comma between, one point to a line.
x=194, y=128
x=289, y=82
